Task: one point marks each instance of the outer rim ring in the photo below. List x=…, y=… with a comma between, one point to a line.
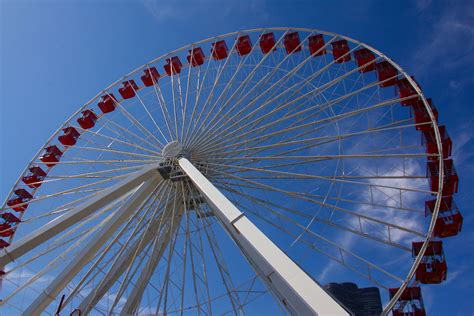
x=418, y=90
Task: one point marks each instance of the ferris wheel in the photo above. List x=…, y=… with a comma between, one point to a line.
x=235, y=175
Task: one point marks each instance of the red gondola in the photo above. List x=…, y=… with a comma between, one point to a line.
x=128, y=91
x=428, y=139
x=3, y=244
x=449, y=221
x=340, y=51
x=267, y=42
x=450, y=183
x=292, y=42
x=22, y=197
x=316, y=45
x=219, y=50
x=196, y=57
x=34, y=178
x=244, y=45
x=5, y=230
x=363, y=57
x=51, y=155
x=410, y=303
x=386, y=71
x=69, y=136
x=10, y=218
x=150, y=77
x=108, y=101
x=173, y=65
x=421, y=115
x=87, y=120
x=405, y=90
x=432, y=268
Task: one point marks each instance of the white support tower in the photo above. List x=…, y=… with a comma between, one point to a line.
x=297, y=291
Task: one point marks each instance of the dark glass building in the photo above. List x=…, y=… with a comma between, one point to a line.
x=360, y=301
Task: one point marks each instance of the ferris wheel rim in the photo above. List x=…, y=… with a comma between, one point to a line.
x=228, y=35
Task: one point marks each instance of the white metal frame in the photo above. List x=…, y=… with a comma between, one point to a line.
x=297, y=291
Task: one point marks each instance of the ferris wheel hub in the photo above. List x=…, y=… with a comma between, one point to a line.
x=173, y=149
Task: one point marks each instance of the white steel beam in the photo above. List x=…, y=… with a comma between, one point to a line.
x=76, y=214
x=171, y=220
x=297, y=291
x=138, y=198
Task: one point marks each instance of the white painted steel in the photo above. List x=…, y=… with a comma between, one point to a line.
x=88, y=251
x=298, y=292
x=79, y=212
x=169, y=224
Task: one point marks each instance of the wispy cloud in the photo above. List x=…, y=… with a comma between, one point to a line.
x=448, y=41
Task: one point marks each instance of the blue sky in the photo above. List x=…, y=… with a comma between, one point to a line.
x=55, y=55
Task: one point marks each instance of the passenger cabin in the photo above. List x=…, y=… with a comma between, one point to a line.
x=34, y=178
x=292, y=42
x=10, y=218
x=4, y=244
x=432, y=268
x=267, y=42
x=449, y=221
x=387, y=74
x=428, y=139
x=108, y=101
x=69, y=136
x=244, y=45
x=410, y=303
x=421, y=115
x=51, y=155
x=6, y=230
x=219, y=50
x=316, y=45
x=127, y=91
x=150, y=77
x=450, y=181
x=340, y=51
x=196, y=57
x=19, y=202
x=406, y=90
x=88, y=119
x=364, y=57
x=173, y=66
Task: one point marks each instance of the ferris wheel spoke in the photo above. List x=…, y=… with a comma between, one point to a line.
x=163, y=106
x=172, y=217
x=87, y=252
x=211, y=95
x=138, y=125
x=149, y=204
x=129, y=273
x=79, y=212
x=304, y=229
x=72, y=191
x=340, y=258
x=370, y=203
x=230, y=83
x=149, y=115
x=55, y=262
x=258, y=84
x=121, y=131
x=359, y=231
x=223, y=270
x=323, y=139
x=121, y=261
x=116, y=140
x=339, y=179
x=320, y=107
x=296, y=88
x=358, y=218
